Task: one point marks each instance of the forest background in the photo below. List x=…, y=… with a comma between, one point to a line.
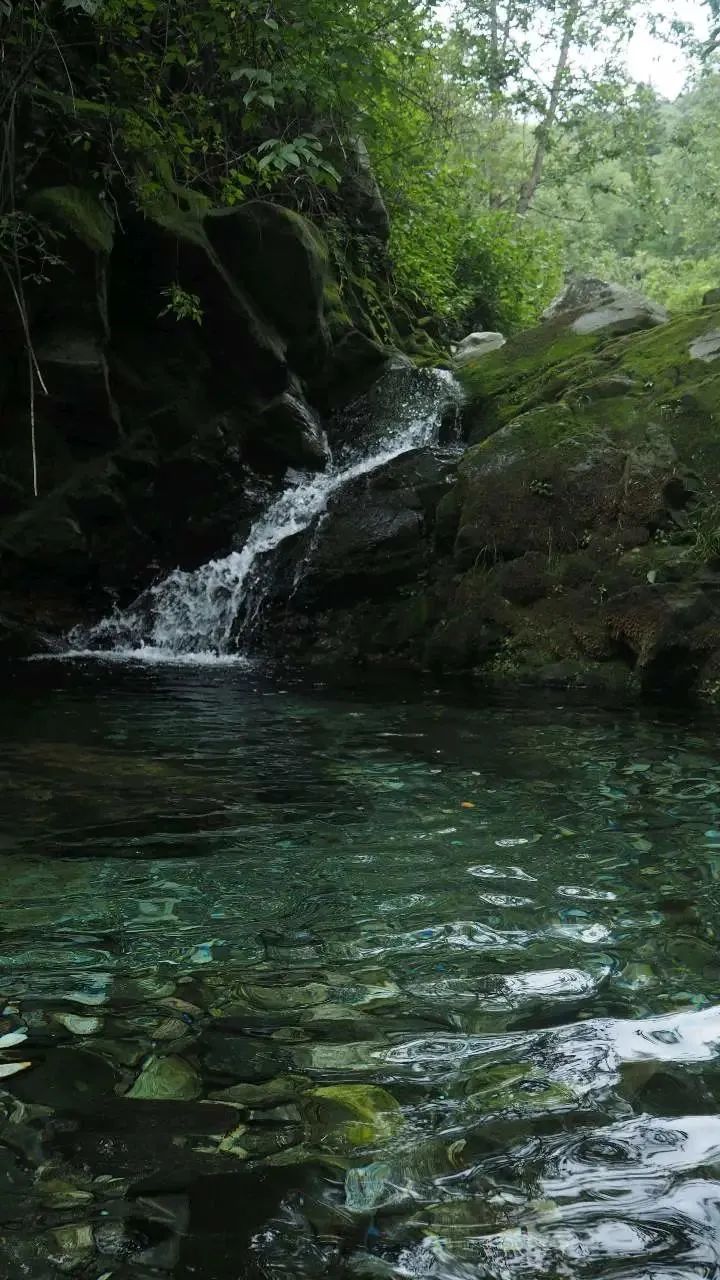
x=511, y=141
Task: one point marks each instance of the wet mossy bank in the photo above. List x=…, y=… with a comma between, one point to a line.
x=576, y=541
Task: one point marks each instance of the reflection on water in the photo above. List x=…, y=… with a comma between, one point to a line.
x=301, y=986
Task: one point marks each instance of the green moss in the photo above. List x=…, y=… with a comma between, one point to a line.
x=538, y=352
x=79, y=212
x=354, y=1114
x=337, y=315
x=166, y=1079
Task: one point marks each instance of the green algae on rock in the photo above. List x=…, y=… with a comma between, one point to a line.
x=353, y=1115
x=166, y=1079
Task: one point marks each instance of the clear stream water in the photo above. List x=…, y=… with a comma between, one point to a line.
x=377, y=984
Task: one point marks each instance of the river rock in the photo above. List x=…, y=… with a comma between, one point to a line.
x=244, y=1059
x=376, y=532
x=477, y=345
x=578, y=546
x=160, y=435
x=591, y=305
x=270, y=1093
x=353, y=1114
x=166, y=1079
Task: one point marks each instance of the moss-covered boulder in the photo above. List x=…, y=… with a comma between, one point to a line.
x=580, y=543
x=590, y=508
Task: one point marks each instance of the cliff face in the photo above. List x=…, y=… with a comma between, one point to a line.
x=577, y=539
x=183, y=362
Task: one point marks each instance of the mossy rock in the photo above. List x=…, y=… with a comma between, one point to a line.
x=285, y=997
x=353, y=1115
x=79, y=212
x=282, y=260
x=518, y=1088
x=166, y=1079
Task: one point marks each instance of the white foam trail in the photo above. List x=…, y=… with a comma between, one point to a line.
x=149, y=654
x=194, y=616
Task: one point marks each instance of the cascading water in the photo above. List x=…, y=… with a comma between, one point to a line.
x=197, y=616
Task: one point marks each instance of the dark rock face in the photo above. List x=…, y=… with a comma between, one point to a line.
x=377, y=533
x=159, y=436
x=366, y=566
x=289, y=428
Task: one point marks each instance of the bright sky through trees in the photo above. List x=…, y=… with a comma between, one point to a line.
x=652, y=60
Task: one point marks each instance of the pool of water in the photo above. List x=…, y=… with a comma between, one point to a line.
x=372, y=984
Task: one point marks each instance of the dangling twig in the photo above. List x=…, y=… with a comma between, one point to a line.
x=33, y=443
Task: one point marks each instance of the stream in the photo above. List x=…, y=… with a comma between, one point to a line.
x=381, y=982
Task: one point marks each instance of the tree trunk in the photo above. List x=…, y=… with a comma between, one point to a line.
x=542, y=133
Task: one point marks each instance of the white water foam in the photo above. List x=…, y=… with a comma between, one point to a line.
x=195, y=616
x=146, y=653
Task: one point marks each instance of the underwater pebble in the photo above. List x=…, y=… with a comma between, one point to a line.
x=12, y=1038
x=77, y=1025
x=12, y=1068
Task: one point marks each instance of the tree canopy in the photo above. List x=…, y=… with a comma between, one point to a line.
x=507, y=138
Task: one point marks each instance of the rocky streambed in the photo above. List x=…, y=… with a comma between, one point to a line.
x=390, y=984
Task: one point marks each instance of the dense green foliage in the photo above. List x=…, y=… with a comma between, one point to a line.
x=495, y=175
x=174, y=103
x=652, y=218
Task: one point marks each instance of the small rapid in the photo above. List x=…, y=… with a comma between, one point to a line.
x=198, y=615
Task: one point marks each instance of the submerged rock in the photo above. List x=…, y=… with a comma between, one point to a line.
x=166, y=1079
x=353, y=1114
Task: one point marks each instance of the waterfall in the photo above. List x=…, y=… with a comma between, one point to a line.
x=197, y=615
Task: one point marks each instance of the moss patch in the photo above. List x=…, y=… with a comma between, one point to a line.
x=79, y=212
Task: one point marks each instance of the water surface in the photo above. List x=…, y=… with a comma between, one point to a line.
x=378, y=984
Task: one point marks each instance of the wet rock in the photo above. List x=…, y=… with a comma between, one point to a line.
x=338, y=1022
x=376, y=534
x=244, y=1059
x=233, y=1143
x=270, y=1094
x=71, y=1246
x=166, y=1079
x=356, y=361
x=78, y=1025
x=129, y=1138
x=171, y=1029
x=353, y=1114
x=286, y=997
x=66, y=1078
x=290, y=429
x=60, y=1193
x=370, y=1187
